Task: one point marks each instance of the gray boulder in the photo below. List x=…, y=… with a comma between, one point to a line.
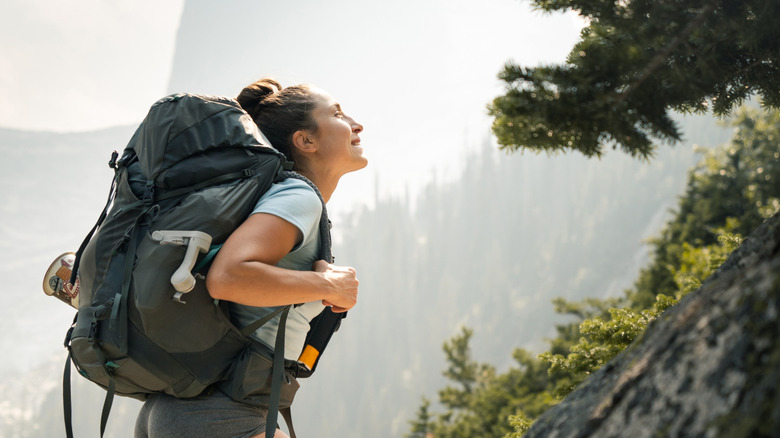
x=708, y=367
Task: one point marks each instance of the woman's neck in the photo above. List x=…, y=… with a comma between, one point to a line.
x=325, y=183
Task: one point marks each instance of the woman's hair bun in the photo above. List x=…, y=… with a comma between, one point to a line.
x=279, y=112
x=251, y=98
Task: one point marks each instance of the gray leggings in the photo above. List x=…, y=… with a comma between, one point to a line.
x=214, y=415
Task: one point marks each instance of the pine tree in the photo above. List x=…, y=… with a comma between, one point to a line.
x=422, y=427
x=637, y=60
x=742, y=176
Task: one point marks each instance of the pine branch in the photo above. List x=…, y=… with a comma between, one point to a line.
x=660, y=57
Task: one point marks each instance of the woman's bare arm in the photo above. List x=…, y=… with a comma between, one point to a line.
x=244, y=270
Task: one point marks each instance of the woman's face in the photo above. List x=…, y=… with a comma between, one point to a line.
x=337, y=135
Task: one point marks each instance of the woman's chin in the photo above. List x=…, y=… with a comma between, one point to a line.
x=360, y=162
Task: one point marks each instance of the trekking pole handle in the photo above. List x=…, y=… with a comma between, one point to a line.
x=197, y=242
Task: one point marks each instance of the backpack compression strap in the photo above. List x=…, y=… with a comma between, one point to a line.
x=66, y=389
x=112, y=163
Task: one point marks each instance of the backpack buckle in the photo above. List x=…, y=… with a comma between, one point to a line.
x=148, y=197
x=113, y=160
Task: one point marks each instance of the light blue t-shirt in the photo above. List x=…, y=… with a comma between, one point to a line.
x=294, y=201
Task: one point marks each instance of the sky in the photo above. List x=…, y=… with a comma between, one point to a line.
x=417, y=75
x=64, y=65
x=91, y=64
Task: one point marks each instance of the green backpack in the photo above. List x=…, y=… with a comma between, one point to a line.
x=190, y=175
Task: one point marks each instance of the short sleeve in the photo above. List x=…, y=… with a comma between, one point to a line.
x=294, y=201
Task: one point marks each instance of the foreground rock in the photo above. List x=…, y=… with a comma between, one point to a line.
x=708, y=367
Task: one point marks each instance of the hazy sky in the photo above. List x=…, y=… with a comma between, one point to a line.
x=64, y=65
x=74, y=66
x=417, y=74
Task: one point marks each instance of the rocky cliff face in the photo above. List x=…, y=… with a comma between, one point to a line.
x=708, y=367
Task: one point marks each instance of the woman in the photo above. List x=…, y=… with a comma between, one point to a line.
x=271, y=259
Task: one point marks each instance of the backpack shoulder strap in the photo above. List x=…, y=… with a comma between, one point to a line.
x=325, y=224
x=326, y=323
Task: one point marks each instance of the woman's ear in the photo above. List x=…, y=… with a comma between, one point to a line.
x=303, y=141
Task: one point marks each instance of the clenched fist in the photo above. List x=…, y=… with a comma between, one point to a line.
x=343, y=285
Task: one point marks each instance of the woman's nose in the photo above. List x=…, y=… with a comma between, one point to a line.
x=357, y=128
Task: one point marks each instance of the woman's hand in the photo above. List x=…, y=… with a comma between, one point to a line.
x=344, y=285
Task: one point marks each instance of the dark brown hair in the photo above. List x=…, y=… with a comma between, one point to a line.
x=279, y=112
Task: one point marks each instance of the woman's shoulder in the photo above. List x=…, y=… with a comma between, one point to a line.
x=291, y=184
x=291, y=195
x=295, y=188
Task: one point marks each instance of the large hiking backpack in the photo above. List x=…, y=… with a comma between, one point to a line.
x=190, y=175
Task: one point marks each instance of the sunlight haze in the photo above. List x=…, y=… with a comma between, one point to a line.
x=79, y=66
